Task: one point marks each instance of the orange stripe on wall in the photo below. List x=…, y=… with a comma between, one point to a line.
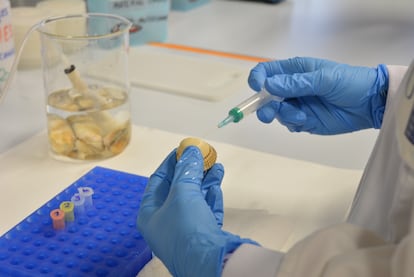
x=208, y=52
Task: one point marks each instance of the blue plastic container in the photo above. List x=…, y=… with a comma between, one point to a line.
x=101, y=241
x=185, y=5
x=149, y=17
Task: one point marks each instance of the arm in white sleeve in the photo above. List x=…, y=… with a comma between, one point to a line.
x=396, y=74
x=345, y=250
x=342, y=250
x=250, y=260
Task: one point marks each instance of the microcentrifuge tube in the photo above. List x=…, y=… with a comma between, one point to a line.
x=58, y=219
x=68, y=208
x=86, y=192
x=79, y=203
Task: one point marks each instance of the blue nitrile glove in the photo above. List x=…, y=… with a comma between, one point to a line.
x=180, y=223
x=321, y=96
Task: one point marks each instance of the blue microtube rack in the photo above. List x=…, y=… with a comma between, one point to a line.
x=102, y=241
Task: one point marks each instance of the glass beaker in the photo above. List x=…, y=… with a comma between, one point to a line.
x=85, y=74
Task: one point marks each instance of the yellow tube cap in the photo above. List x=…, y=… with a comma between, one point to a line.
x=208, y=152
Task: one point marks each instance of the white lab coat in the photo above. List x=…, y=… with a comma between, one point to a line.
x=378, y=238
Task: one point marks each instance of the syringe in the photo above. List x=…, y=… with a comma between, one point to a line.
x=249, y=106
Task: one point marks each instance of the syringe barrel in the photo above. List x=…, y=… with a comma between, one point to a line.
x=248, y=106
x=256, y=101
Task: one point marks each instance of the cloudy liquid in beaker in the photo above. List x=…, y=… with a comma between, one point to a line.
x=88, y=126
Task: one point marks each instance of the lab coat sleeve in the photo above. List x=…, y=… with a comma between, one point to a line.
x=342, y=250
x=396, y=74
x=250, y=260
x=402, y=260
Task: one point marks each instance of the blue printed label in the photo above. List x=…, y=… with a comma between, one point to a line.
x=409, y=130
x=125, y=4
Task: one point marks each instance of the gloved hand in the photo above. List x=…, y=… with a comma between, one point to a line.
x=321, y=96
x=180, y=223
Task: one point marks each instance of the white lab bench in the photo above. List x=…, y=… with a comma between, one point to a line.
x=301, y=181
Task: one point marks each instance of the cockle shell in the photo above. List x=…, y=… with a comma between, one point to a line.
x=61, y=136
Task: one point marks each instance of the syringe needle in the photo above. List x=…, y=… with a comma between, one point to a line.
x=226, y=121
x=249, y=106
